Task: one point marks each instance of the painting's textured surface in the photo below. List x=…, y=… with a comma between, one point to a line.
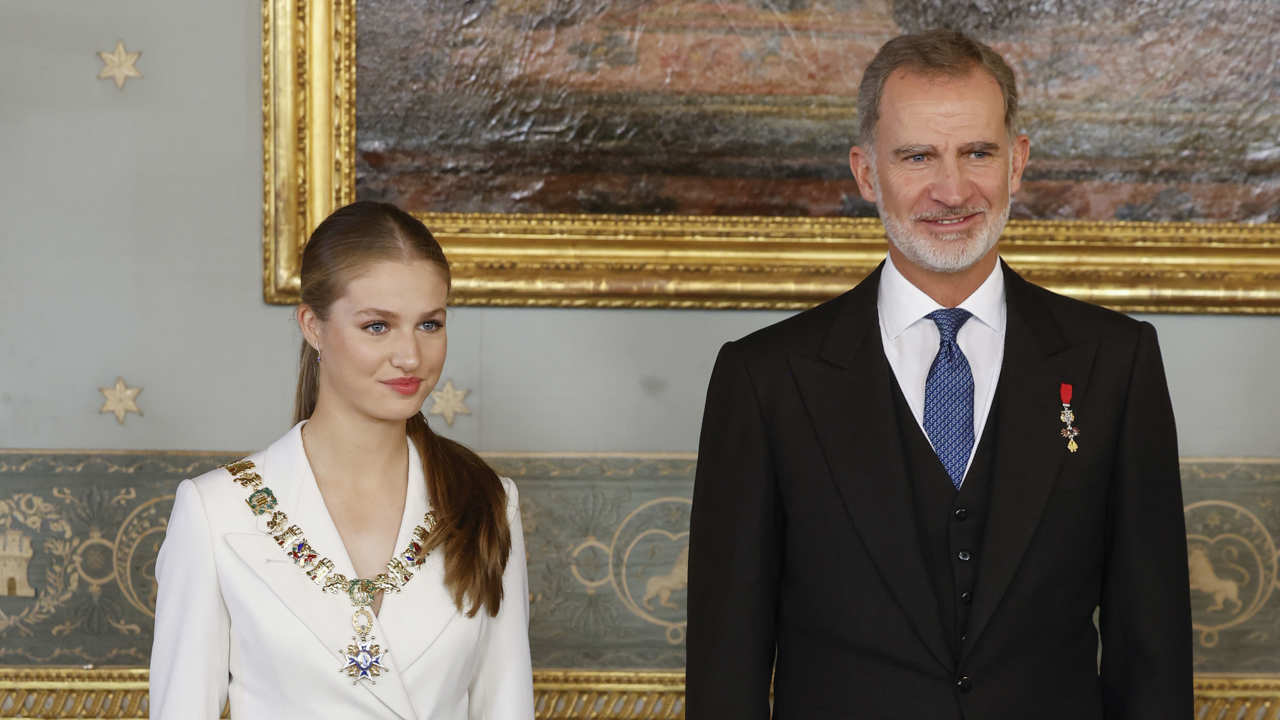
x=607, y=541
x=1159, y=110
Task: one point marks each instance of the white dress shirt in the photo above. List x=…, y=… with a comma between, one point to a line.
x=911, y=340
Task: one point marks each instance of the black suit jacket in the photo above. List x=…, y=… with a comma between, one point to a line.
x=805, y=560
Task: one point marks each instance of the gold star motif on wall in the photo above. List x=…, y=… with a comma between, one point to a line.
x=117, y=65
x=449, y=402
x=121, y=399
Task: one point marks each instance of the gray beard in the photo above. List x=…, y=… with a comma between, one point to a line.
x=944, y=255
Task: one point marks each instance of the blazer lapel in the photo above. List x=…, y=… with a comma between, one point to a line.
x=417, y=615
x=847, y=391
x=1037, y=360
x=328, y=616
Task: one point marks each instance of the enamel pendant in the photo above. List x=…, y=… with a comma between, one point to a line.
x=363, y=657
x=1068, y=417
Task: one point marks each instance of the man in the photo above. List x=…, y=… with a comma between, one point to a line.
x=911, y=499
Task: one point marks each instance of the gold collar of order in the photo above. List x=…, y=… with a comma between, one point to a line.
x=363, y=658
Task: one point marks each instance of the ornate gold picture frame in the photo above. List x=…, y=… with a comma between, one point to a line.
x=581, y=260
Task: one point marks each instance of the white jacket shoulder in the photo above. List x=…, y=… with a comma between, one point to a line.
x=513, y=495
x=223, y=498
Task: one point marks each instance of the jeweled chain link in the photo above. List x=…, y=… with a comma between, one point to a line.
x=361, y=591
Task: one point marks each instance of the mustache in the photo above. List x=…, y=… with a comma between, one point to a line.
x=949, y=213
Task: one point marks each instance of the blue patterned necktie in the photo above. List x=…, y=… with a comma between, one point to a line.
x=948, y=397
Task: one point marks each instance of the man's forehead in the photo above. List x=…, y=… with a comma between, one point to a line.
x=975, y=77
x=919, y=100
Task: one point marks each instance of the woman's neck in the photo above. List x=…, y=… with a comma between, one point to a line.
x=345, y=450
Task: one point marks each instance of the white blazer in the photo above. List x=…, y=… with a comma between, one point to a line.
x=236, y=618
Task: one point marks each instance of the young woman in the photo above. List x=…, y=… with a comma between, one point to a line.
x=361, y=566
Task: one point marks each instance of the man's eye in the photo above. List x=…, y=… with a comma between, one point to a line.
x=916, y=158
x=377, y=328
x=981, y=154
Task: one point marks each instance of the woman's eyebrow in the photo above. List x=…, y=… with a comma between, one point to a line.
x=376, y=311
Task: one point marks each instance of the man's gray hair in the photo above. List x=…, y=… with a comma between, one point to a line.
x=935, y=52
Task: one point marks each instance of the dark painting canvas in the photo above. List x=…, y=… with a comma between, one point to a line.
x=1157, y=110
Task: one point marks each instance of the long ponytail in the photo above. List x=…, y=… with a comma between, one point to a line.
x=470, y=505
x=304, y=400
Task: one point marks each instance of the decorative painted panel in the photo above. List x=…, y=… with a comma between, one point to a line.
x=607, y=554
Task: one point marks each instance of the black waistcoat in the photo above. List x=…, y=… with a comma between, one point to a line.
x=950, y=522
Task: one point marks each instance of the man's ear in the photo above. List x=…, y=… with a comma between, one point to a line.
x=309, y=324
x=1021, y=153
x=860, y=164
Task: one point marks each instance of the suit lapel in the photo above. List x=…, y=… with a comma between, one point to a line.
x=847, y=391
x=284, y=468
x=417, y=615
x=1037, y=360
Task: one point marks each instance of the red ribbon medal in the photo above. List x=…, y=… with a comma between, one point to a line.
x=1067, y=416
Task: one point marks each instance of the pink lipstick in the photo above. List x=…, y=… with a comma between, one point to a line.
x=404, y=386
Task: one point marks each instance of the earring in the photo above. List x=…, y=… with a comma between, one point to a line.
x=317, y=356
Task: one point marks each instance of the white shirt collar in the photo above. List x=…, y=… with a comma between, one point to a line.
x=902, y=304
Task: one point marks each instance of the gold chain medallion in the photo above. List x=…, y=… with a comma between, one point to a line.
x=363, y=658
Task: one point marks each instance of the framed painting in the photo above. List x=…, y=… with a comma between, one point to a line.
x=671, y=153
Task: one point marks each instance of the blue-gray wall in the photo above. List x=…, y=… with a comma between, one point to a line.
x=131, y=246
